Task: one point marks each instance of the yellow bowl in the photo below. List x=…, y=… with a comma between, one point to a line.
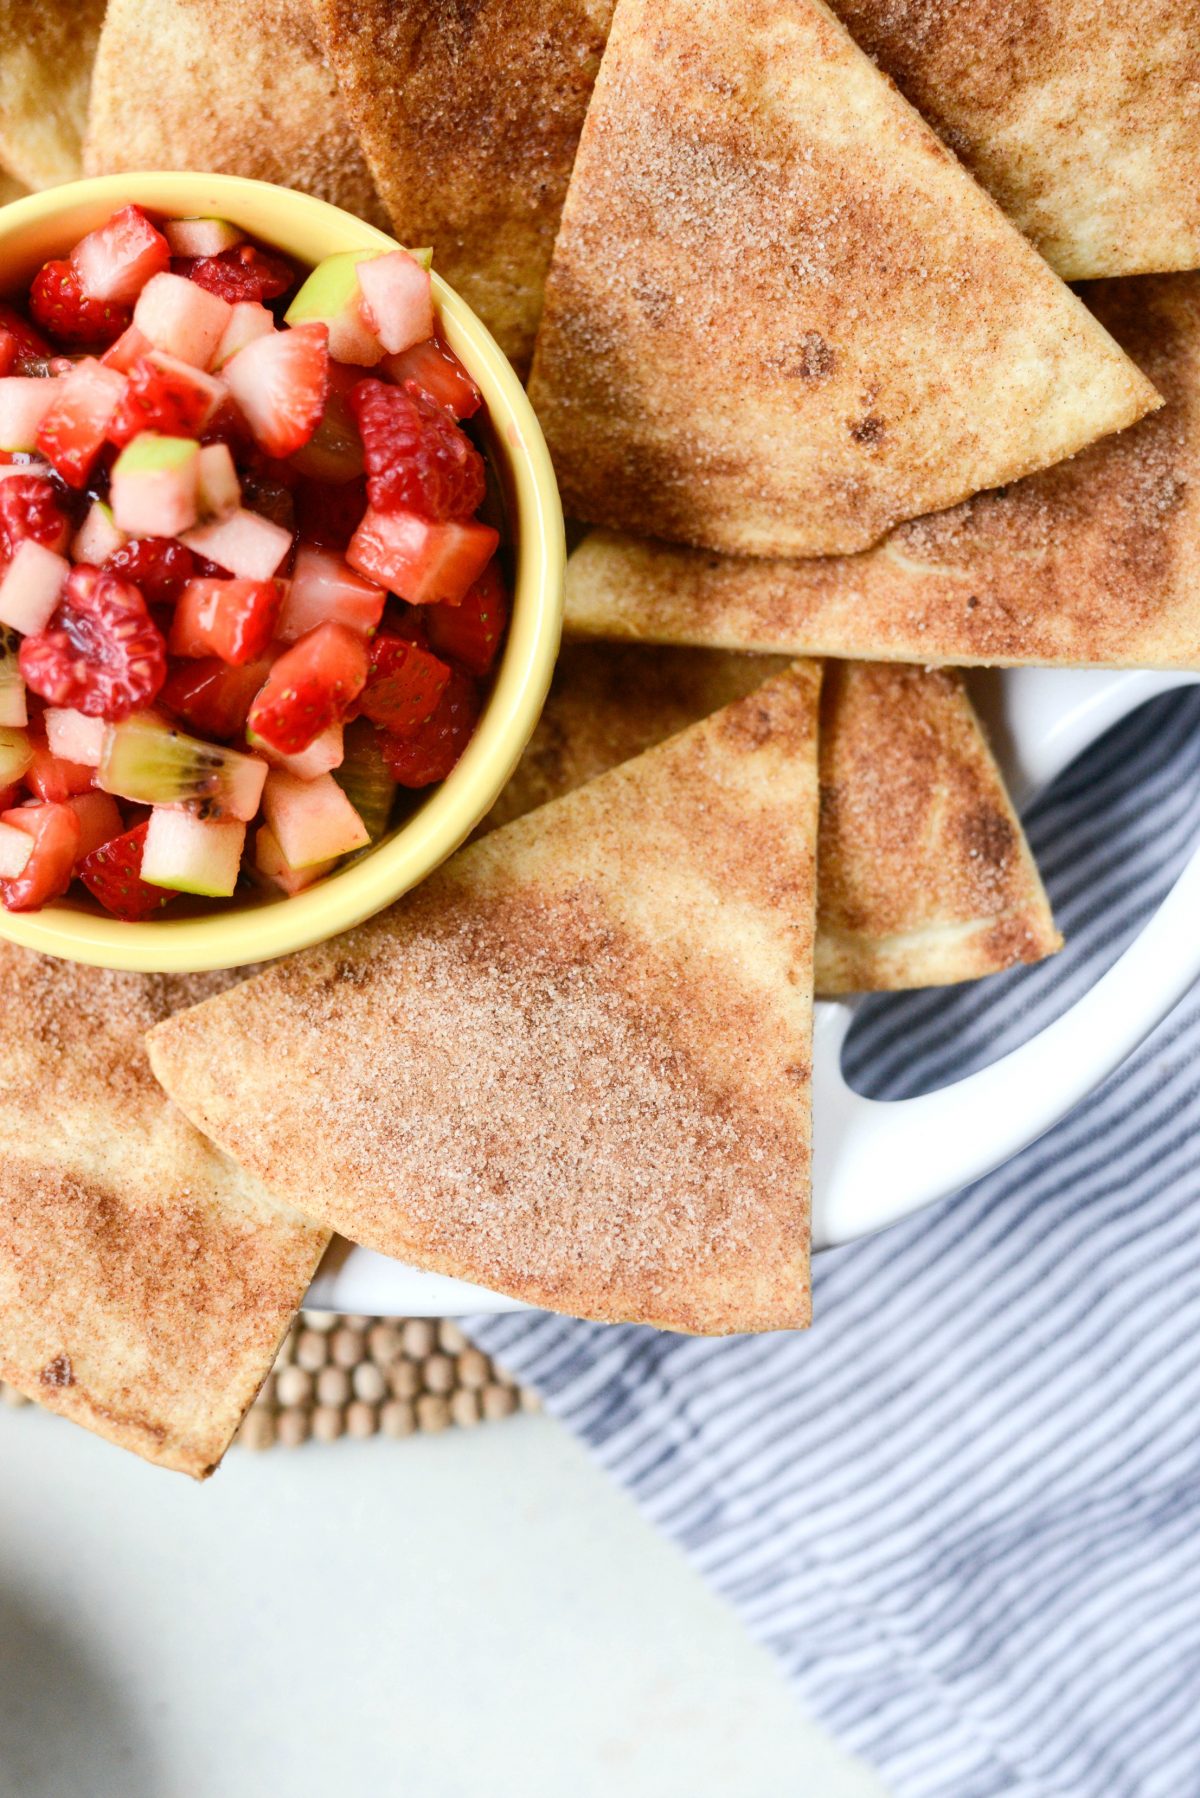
x=47, y=224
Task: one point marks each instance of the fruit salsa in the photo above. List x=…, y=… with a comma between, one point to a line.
x=245, y=593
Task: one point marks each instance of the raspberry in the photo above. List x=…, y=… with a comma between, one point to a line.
x=430, y=752
x=60, y=307
x=243, y=273
x=30, y=507
x=417, y=458
x=101, y=653
x=157, y=566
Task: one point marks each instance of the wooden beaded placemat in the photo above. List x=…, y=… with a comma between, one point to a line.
x=366, y=1376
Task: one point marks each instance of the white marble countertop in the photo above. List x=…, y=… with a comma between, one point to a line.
x=474, y=1613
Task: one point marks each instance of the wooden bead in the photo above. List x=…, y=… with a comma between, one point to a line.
x=473, y=1368
x=420, y=1334
x=293, y=1386
x=433, y=1413
x=327, y=1423
x=266, y=1393
x=323, y=1322
x=292, y=1427
x=464, y=1407
x=361, y=1324
x=287, y=1351
x=333, y=1386
x=503, y=1377
x=258, y=1429
x=437, y=1371
x=360, y=1420
x=529, y=1399
x=404, y=1379
x=368, y=1382
x=347, y=1348
x=312, y=1351
x=385, y=1343
x=397, y=1418
x=498, y=1402
x=450, y=1338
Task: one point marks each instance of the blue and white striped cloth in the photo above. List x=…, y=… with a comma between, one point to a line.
x=965, y=1510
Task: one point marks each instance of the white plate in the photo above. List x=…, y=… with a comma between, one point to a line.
x=876, y=1161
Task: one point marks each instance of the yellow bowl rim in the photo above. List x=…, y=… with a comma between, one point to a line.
x=34, y=226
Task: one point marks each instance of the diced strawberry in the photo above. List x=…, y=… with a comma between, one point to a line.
x=430, y=752
x=47, y=874
x=309, y=688
x=99, y=820
x=164, y=395
x=247, y=321
x=115, y=261
x=31, y=507
x=405, y=685
x=230, y=619
x=8, y=351
x=280, y=383
x=101, y=653
x=60, y=306
x=434, y=369
x=73, y=432
x=213, y=697
x=31, y=345
x=112, y=874
x=470, y=633
x=324, y=587
x=397, y=299
x=157, y=566
x=8, y=797
x=421, y=561
x=52, y=778
x=417, y=458
x=130, y=345
x=243, y=273
x=329, y=515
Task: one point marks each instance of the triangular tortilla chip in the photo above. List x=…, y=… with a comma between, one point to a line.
x=575, y=1065
x=1096, y=561
x=47, y=48
x=145, y=1282
x=223, y=87
x=780, y=316
x=470, y=116
x=1083, y=121
x=924, y=876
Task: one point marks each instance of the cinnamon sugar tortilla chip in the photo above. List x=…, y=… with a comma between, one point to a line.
x=145, y=1282
x=470, y=116
x=780, y=317
x=236, y=87
x=1095, y=561
x=1083, y=121
x=924, y=876
x=46, y=52
x=575, y=1064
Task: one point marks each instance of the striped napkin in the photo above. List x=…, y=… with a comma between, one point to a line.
x=965, y=1510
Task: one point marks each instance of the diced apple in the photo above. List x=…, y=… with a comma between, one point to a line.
x=191, y=854
x=116, y=261
x=155, y=485
x=312, y=820
x=16, y=847
x=74, y=737
x=268, y=860
x=201, y=237
x=245, y=543
x=98, y=536
x=331, y=296
x=323, y=754
x=122, y=354
x=325, y=589
x=73, y=428
x=397, y=296
x=182, y=318
x=209, y=392
x=14, y=710
x=218, y=490
x=30, y=588
x=248, y=320
x=99, y=821
x=24, y=402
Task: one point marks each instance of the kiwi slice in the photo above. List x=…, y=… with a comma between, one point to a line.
x=16, y=753
x=12, y=687
x=365, y=777
x=152, y=763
